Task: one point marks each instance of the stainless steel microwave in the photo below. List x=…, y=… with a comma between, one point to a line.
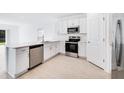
x=73, y=30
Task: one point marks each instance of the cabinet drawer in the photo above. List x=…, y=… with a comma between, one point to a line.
x=22, y=50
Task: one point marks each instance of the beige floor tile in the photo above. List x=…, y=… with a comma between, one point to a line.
x=64, y=67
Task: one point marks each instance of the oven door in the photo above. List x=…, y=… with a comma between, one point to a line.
x=72, y=47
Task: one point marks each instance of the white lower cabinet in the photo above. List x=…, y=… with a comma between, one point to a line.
x=62, y=47
x=17, y=61
x=22, y=60
x=50, y=50
x=82, y=49
x=46, y=52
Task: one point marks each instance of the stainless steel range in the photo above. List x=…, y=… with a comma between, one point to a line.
x=71, y=46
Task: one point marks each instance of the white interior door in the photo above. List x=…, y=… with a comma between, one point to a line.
x=95, y=37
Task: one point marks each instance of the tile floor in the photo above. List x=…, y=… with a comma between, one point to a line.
x=64, y=67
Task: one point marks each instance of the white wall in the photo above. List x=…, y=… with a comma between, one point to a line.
x=22, y=32
x=11, y=31
x=16, y=32
x=27, y=33
x=50, y=31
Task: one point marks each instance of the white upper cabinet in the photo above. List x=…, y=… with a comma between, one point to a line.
x=67, y=22
x=64, y=25
x=83, y=25
x=73, y=22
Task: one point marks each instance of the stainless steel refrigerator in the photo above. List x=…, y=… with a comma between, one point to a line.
x=117, y=44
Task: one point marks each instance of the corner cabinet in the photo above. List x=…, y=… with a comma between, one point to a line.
x=50, y=49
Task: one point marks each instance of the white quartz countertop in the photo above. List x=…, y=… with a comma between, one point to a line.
x=26, y=44
x=50, y=42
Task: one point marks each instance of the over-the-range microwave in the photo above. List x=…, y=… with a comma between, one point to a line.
x=73, y=30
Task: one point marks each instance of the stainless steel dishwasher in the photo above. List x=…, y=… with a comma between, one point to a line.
x=35, y=55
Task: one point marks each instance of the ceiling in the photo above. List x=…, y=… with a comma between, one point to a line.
x=33, y=18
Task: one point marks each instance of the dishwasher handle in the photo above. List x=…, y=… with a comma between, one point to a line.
x=36, y=46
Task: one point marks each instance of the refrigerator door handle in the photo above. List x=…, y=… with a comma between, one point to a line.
x=118, y=42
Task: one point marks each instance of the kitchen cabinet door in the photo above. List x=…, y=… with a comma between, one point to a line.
x=53, y=49
x=82, y=49
x=22, y=60
x=73, y=22
x=62, y=47
x=83, y=25
x=63, y=27
x=56, y=48
x=50, y=50
x=47, y=52
x=59, y=27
